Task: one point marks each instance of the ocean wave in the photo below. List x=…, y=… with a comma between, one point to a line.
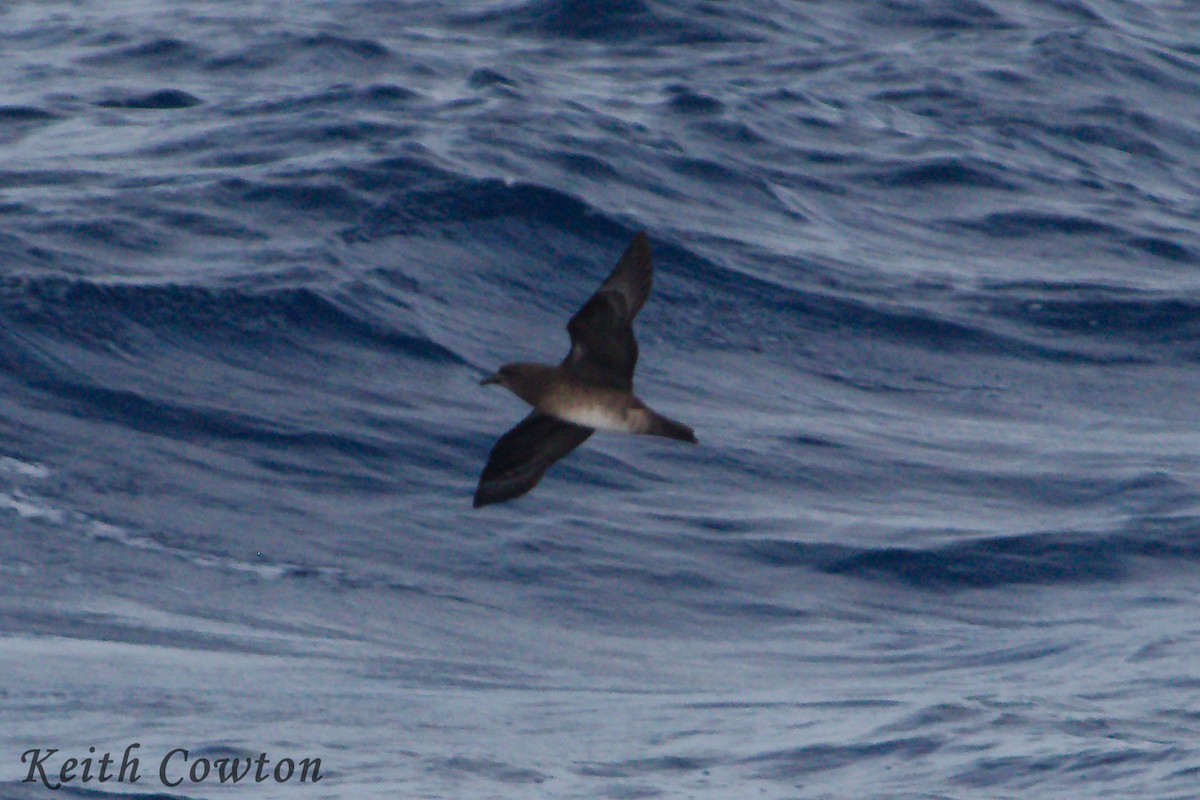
x=1155, y=326
x=463, y=201
x=999, y=561
x=941, y=172
x=613, y=21
x=98, y=313
x=162, y=99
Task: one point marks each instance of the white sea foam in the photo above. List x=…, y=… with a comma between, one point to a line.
x=14, y=466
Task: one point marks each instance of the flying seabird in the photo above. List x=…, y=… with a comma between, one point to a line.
x=592, y=389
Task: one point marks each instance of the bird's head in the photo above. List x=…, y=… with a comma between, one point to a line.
x=523, y=380
x=503, y=377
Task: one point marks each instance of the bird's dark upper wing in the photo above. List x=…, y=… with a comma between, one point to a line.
x=603, y=350
x=521, y=457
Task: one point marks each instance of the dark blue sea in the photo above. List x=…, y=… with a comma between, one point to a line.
x=927, y=286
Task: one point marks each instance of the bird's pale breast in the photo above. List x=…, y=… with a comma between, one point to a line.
x=595, y=408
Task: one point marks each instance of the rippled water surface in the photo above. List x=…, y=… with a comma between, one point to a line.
x=928, y=288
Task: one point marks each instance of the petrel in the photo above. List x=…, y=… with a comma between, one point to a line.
x=592, y=389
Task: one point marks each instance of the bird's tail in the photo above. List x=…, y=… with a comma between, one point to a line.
x=665, y=426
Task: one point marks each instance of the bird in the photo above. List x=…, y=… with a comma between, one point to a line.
x=592, y=389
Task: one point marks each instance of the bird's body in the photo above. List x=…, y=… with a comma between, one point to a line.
x=563, y=395
x=592, y=389
x=592, y=406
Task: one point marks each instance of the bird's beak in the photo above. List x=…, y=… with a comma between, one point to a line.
x=489, y=381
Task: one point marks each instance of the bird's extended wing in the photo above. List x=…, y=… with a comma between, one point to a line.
x=603, y=349
x=521, y=457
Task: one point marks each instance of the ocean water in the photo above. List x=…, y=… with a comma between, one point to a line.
x=928, y=288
